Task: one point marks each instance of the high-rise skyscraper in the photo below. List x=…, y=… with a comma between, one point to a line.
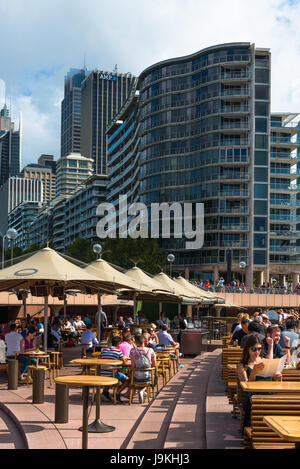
x=103, y=95
x=10, y=146
x=199, y=129
x=71, y=112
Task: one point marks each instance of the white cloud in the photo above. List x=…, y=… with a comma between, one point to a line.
x=49, y=37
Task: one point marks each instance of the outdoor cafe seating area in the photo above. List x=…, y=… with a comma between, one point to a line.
x=275, y=405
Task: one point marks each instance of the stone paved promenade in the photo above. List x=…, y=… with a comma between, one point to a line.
x=190, y=412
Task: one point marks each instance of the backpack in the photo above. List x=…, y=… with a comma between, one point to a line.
x=142, y=362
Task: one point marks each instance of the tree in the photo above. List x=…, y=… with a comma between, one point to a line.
x=125, y=252
x=81, y=249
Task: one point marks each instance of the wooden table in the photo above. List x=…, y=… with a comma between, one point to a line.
x=98, y=362
x=287, y=427
x=86, y=381
x=271, y=386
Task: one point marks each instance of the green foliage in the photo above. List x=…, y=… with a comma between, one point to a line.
x=125, y=252
x=82, y=250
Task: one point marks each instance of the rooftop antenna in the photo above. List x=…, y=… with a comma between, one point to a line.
x=116, y=68
x=84, y=62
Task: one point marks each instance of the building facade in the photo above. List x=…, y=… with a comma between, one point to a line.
x=71, y=171
x=70, y=216
x=16, y=191
x=205, y=134
x=10, y=146
x=21, y=218
x=45, y=175
x=71, y=112
x=103, y=94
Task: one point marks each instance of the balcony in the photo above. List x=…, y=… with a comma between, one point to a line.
x=288, y=218
x=284, y=141
x=285, y=202
x=284, y=234
x=235, y=92
x=286, y=171
x=235, y=109
x=285, y=187
x=227, y=227
x=285, y=249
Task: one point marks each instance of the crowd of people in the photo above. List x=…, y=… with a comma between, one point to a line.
x=238, y=286
x=260, y=339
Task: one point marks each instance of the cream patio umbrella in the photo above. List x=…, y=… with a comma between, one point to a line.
x=118, y=280
x=158, y=293
x=48, y=273
x=206, y=297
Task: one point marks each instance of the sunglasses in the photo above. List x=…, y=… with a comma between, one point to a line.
x=256, y=349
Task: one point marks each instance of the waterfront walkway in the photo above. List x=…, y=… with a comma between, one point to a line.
x=190, y=412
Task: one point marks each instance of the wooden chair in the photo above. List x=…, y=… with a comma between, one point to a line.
x=174, y=359
x=164, y=357
x=56, y=362
x=133, y=386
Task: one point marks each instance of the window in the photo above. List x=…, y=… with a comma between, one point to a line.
x=260, y=224
x=260, y=241
x=260, y=207
x=261, y=92
x=261, y=141
x=261, y=75
x=261, y=124
x=261, y=174
x=259, y=257
x=261, y=157
x=260, y=191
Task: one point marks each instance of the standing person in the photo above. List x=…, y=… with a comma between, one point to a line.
x=182, y=326
x=13, y=341
x=103, y=321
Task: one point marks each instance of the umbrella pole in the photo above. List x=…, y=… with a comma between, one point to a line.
x=24, y=308
x=46, y=324
x=65, y=306
x=134, y=308
x=99, y=316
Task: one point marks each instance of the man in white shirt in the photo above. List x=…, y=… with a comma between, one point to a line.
x=89, y=339
x=13, y=341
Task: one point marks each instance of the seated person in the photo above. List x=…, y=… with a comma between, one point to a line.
x=126, y=344
x=291, y=332
x=238, y=335
x=79, y=323
x=271, y=344
x=87, y=320
x=13, y=341
x=89, y=339
x=129, y=321
x=248, y=370
x=120, y=323
x=253, y=328
x=53, y=338
x=26, y=346
x=135, y=354
x=153, y=336
x=148, y=342
x=166, y=339
x=114, y=353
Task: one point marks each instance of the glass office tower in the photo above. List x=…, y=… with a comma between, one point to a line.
x=103, y=94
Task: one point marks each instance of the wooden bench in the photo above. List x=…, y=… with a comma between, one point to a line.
x=260, y=435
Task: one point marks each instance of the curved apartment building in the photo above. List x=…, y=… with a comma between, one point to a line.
x=200, y=131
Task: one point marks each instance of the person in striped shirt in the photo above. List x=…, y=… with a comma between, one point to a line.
x=114, y=353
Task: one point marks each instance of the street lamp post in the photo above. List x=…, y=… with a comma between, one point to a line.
x=12, y=234
x=171, y=259
x=97, y=248
x=243, y=266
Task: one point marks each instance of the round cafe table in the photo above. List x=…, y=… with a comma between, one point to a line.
x=87, y=381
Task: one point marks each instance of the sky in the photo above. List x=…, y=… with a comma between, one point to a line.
x=41, y=41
